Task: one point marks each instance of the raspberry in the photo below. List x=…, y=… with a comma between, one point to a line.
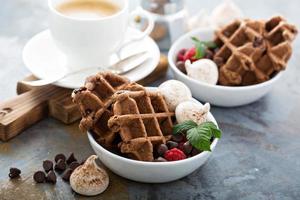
x=189, y=55
x=180, y=54
x=174, y=154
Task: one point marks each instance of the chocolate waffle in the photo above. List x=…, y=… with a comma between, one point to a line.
x=94, y=101
x=143, y=121
x=252, y=51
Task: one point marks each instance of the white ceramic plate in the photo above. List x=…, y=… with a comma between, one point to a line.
x=216, y=94
x=151, y=172
x=43, y=59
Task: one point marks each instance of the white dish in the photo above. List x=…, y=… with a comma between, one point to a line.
x=151, y=172
x=216, y=94
x=43, y=59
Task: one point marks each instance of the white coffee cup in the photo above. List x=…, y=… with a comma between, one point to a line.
x=90, y=42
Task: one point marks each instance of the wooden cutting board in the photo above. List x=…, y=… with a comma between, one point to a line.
x=35, y=103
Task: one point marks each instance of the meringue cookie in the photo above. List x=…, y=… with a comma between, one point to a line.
x=225, y=13
x=190, y=110
x=204, y=70
x=89, y=179
x=174, y=93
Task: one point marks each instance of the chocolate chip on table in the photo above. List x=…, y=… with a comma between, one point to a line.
x=187, y=148
x=162, y=148
x=74, y=165
x=39, y=176
x=14, y=172
x=172, y=144
x=66, y=175
x=181, y=66
x=71, y=158
x=60, y=156
x=60, y=166
x=51, y=177
x=47, y=165
x=160, y=159
x=177, y=138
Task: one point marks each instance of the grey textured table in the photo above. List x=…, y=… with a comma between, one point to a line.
x=257, y=158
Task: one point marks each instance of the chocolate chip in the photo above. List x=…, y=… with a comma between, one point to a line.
x=74, y=165
x=66, y=175
x=181, y=66
x=14, y=172
x=177, y=137
x=187, y=148
x=172, y=144
x=219, y=61
x=227, y=33
x=60, y=156
x=71, y=158
x=39, y=177
x=209, y=54
x=51, y=177
x=195, y=152
x=258, y=41
x=160, y=159
x=79, y=90
x=47, y=165
x=88, y=111
x=162, y=149
x=60, y=166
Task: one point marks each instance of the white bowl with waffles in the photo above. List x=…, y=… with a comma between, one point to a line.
x=151, y=172
x=218, y=95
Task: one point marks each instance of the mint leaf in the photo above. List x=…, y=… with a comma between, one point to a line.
x=201, y=47
x=185, y=126
x=213, y=128
x=195, y=39
x=198, y=140
x=200, y=50
x=210, y=44
x=200, y=136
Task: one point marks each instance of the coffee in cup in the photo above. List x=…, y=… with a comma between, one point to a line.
x=88, y=9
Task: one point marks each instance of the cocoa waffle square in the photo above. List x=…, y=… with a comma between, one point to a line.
x=94, y=101
x=252, y=51
x=143, y=121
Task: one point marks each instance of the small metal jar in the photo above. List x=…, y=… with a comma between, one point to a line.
x=170, y=20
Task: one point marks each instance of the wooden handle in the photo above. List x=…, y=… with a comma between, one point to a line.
x=24, y=110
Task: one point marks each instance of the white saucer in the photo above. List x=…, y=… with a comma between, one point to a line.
x=44, y=59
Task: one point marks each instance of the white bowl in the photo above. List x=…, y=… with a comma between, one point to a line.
x=216, y=94
x=151, y=172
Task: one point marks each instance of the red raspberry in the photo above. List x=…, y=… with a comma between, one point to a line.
x=174, y=154
x=180, y=54
x=190, y=54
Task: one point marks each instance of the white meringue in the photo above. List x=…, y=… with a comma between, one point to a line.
x=174, y=93
x=190, y=110
x=89, y=179
x=225, y=13
x=204, y=70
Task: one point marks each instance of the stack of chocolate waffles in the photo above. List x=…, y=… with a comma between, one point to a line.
x=123, y=115
x=252, y=51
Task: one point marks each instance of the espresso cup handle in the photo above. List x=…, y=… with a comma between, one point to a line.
x=139, y=12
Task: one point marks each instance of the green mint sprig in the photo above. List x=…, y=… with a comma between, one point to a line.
x=198, y=135
x=201, y=47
